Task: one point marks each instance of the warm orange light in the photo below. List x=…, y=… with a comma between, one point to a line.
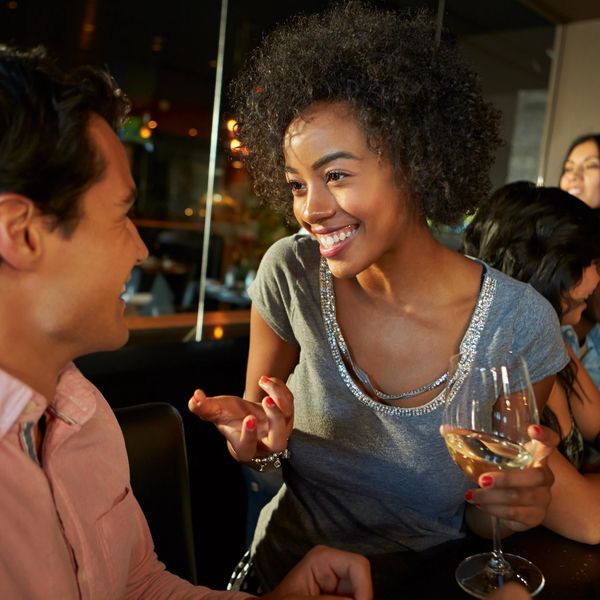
x=12, y=5
x=234, y=144
x=157, y=43
x=218, y=332
x=152, y=124
x=145, y=133
x=231, y=124
x=192, y=132
x=188, y=212
x=237, y=164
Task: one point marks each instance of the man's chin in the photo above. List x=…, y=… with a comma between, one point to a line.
x=108, y=344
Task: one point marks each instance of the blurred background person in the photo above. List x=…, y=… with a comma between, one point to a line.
x=581, y=177
x=548, y=239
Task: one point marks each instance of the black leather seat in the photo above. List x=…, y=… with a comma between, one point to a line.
x=159, y=478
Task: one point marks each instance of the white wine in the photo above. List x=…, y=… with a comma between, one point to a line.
x=476, y=453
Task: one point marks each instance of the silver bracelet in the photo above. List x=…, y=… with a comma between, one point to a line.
x=272, y=461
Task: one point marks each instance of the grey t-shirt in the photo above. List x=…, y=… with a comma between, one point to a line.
x=365, y=476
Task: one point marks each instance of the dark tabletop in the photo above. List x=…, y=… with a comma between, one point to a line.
x=571, y=569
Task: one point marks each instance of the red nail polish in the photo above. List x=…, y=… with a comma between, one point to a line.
x=537, y=429
x=263, y=379
x=468, y=495
x=486, y=481
x=251, y=423
x=269, y=402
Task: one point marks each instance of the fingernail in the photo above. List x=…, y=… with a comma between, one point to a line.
x=537, y=429
x=269, y=402
x=196, y=396
x=486, y=481
x=468, y=495
x=251, y=423
x=264, y=379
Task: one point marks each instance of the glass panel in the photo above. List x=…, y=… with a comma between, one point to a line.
x=164, y=56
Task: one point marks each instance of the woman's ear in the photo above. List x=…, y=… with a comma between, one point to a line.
x=20, y=231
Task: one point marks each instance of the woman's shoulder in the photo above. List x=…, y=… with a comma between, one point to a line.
x=518, y=293
x=294, y=252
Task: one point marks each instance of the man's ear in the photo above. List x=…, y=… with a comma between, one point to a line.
x=20, y=231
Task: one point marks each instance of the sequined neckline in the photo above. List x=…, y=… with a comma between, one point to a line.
x=336, y=341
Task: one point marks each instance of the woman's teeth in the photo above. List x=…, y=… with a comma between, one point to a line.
x=335, y=238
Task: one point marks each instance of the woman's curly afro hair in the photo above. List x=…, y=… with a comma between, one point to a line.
x=418, y=104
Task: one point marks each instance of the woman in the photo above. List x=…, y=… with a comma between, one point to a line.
x=581, y=178
x=581, y=169
x=358, y=124
x=550, y=240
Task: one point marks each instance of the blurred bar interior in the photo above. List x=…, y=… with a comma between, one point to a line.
x=535, y=58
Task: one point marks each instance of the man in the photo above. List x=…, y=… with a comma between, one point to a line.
x=71, y=527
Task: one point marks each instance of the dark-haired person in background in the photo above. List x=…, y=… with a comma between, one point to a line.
x=581, y=178
x=70, y=527
x=547, y=238
x=362, y=128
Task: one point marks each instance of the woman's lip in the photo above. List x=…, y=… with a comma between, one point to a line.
x=335, y=249
x=328, y=252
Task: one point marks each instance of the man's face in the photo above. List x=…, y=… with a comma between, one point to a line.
x=80, y=307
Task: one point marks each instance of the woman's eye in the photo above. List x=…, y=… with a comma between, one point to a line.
x=592, y=165
x=334, y=176
x=295, y=186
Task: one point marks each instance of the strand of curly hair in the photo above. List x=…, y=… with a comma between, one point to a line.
x=419, y=105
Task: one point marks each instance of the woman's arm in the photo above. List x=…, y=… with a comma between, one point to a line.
x=585, y=403
x=269, y=356
x=574, y=509
x=261, y=423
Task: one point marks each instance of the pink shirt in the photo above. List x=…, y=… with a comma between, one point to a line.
x=71, y=528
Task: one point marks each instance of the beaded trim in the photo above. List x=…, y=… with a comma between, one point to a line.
x=338, y=346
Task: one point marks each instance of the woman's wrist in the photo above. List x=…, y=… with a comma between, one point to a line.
x=270, y=462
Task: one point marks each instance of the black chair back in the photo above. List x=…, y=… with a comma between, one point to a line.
x=159, y=478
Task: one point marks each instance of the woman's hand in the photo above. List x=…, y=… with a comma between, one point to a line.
x=326, y=573
x=251, y=429
x=519, y=497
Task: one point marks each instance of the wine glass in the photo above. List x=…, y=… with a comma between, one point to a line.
x=487, y=412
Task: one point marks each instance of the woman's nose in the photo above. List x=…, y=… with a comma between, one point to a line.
x=319, y=204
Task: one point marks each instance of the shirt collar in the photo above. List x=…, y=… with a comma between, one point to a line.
x=16, y=398
x=74, y=401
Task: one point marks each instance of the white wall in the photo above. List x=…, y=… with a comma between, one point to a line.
x=574, y=95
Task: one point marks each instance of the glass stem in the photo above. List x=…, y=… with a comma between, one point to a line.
x=498, y=564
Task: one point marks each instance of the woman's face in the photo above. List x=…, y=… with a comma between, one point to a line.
x=344, y=193
x=578, y=294
x=581, y=173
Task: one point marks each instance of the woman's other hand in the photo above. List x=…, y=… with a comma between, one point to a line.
x=252, y=429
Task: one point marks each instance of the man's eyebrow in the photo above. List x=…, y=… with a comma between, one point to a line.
x=327, y=158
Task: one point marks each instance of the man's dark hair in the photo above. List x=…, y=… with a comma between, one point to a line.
x=420, y=106
x=46, y=153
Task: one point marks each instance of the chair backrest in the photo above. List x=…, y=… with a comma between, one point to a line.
x=159, y=478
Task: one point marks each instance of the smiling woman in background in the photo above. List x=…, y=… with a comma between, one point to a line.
x=581, y=169
x=581, y=177
x=546, y=238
